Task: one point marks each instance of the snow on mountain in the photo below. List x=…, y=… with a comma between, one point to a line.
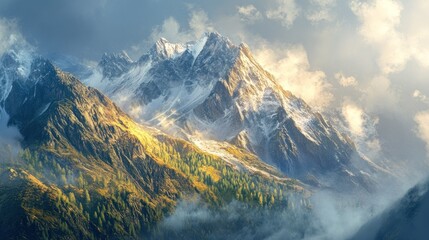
x=14, y=66
x=213, y=90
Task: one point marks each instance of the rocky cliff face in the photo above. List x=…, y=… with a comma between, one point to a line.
x=212, y=89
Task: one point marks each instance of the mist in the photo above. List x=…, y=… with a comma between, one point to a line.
x=10, y=136
x=331, y=215
x=234, y=221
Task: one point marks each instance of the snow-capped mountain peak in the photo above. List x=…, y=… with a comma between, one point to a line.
x=163, y=49
x=114, y=64
x=214, y=89
x=15, y=65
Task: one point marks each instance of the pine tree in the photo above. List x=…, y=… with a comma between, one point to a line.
x=72, y=198
x=87, y=196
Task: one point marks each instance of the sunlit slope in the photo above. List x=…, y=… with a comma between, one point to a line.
x=113, y=176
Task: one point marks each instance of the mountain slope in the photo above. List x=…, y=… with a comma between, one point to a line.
x=29, y=205
x=406, y=219
x=118, y=179
x=212, y=89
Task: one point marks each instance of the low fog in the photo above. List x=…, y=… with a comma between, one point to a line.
x=331, y=215
x=10, y=136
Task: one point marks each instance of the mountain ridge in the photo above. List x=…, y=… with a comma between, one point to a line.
x=223, y=94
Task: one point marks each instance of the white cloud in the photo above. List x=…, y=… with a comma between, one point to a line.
x=171, y=30
x=286, y=12
x=362, y=129
x=199, y=23
x=396, y=42
x=10, y=135
x=345, y=81
x=292, y=70
x=378, y=95
x=9, y=35
x=380, y=19
x=420, y=96
x=249, y=13
x=354, y=117
x=422, y=120
x=321, y=10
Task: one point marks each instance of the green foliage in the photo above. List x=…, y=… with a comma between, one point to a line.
x=232, y=184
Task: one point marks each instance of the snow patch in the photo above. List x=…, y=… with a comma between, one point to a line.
x=218, y=149
x=197, y=47
x=21, y=70
x=43, y=109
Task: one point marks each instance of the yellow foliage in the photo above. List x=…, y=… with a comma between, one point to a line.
x=199, y=185
x=214, y=173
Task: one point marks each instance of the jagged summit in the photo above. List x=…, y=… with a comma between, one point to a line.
x=114, y=64
x=163, y=49
x=123, y=55
x=15, y=65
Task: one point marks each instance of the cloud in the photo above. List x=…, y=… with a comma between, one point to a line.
x=9, y=36
x=286, y=12
x=420, y=96
x=321, y=10
x=422, y=120
x=381, y=26
x=344, y=81
x=171, y=30
x=199, y=23
x=355, y=118
x=249, y=13
x=362, y=129
x=9, y=135
x=378, y=95
x=235, y=220
x=292, y=70
x=379, y=20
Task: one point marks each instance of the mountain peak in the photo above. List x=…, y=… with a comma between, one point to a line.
x=14, y=65
x=114, y=64
x=122, y=55
x=163, y=49
x=218, y=39
x=161, y=41
x=217, y=36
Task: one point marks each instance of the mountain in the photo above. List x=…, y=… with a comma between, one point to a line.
x=86, y=170
x=406, y=219
x=216, y=95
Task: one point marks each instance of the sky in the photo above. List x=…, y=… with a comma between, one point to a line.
x=364, y=62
